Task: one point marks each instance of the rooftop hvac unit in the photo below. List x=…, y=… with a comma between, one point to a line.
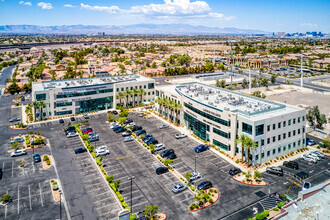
x=206, y=97
x=217, y=101
x=227, y=109
x=196, y=94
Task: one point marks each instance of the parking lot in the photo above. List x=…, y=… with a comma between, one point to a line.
x=88, y=195
x=127, y=159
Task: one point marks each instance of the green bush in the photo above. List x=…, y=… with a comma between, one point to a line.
x=280, y=205
x=5, y=197
x=98, y=162
x=275, y=209
x=102, y=169
x=109, y=178
x=193, y=206
x=46, y=157
x=167, y=162
x=259, y=216
x=48, y=162
x=132, y=217
x=210, y=200
x=124, y=204
x=266, y=213
x=27, y=139
x=93, y=154
x=113, y=186
x=120, y=197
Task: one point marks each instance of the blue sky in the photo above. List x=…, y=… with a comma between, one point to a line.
x=268, y=15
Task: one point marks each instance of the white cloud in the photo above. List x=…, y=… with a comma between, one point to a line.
x=308, y=25
x=45, y=5
x=25, y=3
x=69, y=6
x=169, y=8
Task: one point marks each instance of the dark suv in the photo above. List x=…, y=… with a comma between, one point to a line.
x=291, y=164
x=275, y=170
x=167, y=152
x=161, y=170
x=234, y=171
x=204, y=185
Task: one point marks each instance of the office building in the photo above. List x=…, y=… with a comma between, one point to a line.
x=76, y=96
x=219, y=116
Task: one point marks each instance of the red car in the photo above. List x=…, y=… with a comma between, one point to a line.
x=87, y=130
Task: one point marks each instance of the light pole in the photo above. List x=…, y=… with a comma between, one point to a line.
x=301, y=72
x=195, y=169
x=131, y=179
x=231, y=61
x=60, y=204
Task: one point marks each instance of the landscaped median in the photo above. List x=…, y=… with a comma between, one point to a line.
x=114, y=184
x=55, y=190
x=46, y=162
x=204, y=198
x=248, y=179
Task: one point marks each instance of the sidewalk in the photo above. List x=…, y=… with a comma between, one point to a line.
x=24, y=121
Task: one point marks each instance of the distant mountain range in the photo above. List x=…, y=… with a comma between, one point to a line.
x=125, y=29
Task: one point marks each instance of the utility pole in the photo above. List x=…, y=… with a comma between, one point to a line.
x=301, y=72
x=249, y=80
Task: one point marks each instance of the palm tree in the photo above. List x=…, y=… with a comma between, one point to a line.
x=135, y=92
x=171, y=107
x=141, y=93
x=42, y=104
x=249, y=144
x=127, y=93
x=35, y=105
x=177, y=107
x=242, y=140
x=166, y=105
x=120, y=96
x=160, y=102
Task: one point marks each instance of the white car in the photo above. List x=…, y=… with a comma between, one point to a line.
x=131, y=124
x=309, y=158
x=127, y=139
x=102, y=152
x=141, y=115
x=103, y=147
x=18, y=153
x=195, y=176
x=72, y=134
x=319, y=154
x=181, y=135
x=314, y=156
x=179, y=188
x=162, y=126
x=160, y=146
x=113, y=124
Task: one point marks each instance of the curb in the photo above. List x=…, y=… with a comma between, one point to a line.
x=249, y=184
x=163, y=214
x=208, y=204
x=18, y=128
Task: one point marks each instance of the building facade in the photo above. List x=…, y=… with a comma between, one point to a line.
x=76, y=96
x=219, y=116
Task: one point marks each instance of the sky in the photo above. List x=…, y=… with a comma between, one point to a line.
x=267, y=15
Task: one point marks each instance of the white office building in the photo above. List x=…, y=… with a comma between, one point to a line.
x=76, y=96
x=220, y=116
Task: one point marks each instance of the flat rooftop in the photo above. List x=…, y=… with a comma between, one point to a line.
x=222, y=99
x=83, y=82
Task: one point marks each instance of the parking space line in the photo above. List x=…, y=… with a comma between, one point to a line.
x=102, y=200
x=42, y=202
x=102, y=207
x=30, y=198
x=18, y=199
x=3, y=166
x=33, y=167
x=12, y=169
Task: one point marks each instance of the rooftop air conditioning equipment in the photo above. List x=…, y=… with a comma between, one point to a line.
x=206, y=97
x=217, y=101
x=227, y=109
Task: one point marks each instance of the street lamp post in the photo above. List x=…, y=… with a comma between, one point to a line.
x=60, y=204
x=195, y=169
x=131, y=179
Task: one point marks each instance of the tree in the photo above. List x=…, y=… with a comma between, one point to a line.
x=14, y=88
x=265, y=82
x=154, y=65
x=250, y=145
x=120, y=96
x=242, y=140
x=141, y=93
x=273, y=79
x=315, y=118
x=149, y=211
x=36, y=106
x=110, y=116
x=254, y=82
x=176, y=108
x=188, y=176
x=15, y=145
x=244, y=83
x=42, y=105
x=5, y=198
x=135, y=92
x=128, y=93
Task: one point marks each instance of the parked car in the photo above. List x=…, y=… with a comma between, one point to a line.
x=69, y=129
x=113, y=124
x=140, y=132
x=19, y=140
x=103, y=147
x=128, y=120
x=86, y=116
x=136, y=128
x=160, y=146
x=36, y=158
x=146, y=137
x=179, y=188
x=320, y=154
x=162, y=126
x=180, y=135
x=61, y=121
x=166, y=152
x=116, y=127
x=314, y=156
x=201, y=148
x=121, y=129
x=18, y=153
x=72, y=119
x=141, y=115
x=80, y=150
x=234, y=171
x=171, y=156
x=93, y=137
x=14, y=119
x=204, y=185
x=72, y=134
x=102, y=152
x=291, y=164
x=114, y=112
x=308, y=158
x=306, y=185
x=126, y=133
x=128, y=139
x=161, y=170
x=22, y=99
x=275, y=170
x=194, y=176
x=153, y=141
x=87, y=131
x=310, y=142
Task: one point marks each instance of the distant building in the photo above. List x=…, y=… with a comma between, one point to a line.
x=281, y=34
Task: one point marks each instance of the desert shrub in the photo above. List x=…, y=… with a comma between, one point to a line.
x=48, y=162
x=109, y=178
x=275, y=209
x=280, y=205
x=46, y=157
x=5, y=197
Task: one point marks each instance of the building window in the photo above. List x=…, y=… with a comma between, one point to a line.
x=221, y=133
x=262, y=142
x=303, y=118
x=294, y=121
x=117, y=89
x=246, y=128
x=268, y=140
x=268, y=127
x=274, y=151
x=284, y=148
x=284, y=135
x=148, y=93
x=151, y=85
x=199, y=128
x=262, y=155
x=274, y=126
x=62, y=104
x=279, y=137
x=274, y=139
x=303, y=129
x=221, y=145
x=294, y=144
x=289, y=122
x=268, y=153
x=144, y=86
x=64, y=112
x=259, y=130
x=299, y=143
x=298, y=119
x=289, y=146
x=77, y=94
x=284, y=124
x=304, y=141
x=279, y=125
x=279, y=150
x=257, y=156
x=41, y=96
x=153, y=93
x=299, y=131
x=294, y=133
x=122, y=89
x=289, y=134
